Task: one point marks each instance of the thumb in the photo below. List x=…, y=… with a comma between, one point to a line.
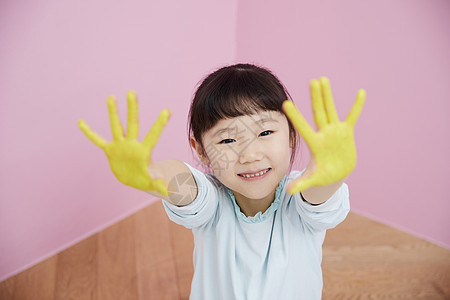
x=160, y=186
x=299, y=185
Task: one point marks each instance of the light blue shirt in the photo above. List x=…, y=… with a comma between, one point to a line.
x=272, y=255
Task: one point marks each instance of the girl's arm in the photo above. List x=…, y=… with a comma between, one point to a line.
x=332, y=146
x=131, y=162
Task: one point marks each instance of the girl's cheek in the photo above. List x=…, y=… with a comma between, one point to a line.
x=222, y=159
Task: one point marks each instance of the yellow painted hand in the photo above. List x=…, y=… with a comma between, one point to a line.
x=128, y=158
x=332, y=145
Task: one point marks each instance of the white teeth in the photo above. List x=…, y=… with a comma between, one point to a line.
x=255, y=174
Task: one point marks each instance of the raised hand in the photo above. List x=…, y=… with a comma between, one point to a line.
x=332, y=145
x=128, y=158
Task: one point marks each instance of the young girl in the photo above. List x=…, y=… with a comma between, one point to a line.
x=258, y=230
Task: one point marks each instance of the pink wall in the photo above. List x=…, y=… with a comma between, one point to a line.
x=399, y=52
x=59, y=61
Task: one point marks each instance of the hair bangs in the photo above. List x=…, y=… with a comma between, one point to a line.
x=242, y=93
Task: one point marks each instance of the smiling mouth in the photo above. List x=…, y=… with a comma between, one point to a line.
x=256, y=174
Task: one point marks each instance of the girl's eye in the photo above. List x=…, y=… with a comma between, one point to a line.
x=264, y=133
x=226, y=141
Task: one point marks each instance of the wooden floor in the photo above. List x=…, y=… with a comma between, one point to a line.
x=146, y=256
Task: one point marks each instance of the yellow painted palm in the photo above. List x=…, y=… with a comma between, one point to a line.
x=128, y=158
x=332, y=145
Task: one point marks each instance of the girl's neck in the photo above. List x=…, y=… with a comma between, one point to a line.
x=250, y=207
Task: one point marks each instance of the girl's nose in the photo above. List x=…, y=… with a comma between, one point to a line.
x=249, y=154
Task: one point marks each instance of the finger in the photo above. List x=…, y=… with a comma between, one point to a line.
x=91, y=135
x=317, y=104
x=328, y=100
x=301, y=185
x=298, y=121
x=133, y=123
x=154, y=133
x=116, y=127
x=354, y=113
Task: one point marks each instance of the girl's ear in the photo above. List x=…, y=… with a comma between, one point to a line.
x=198, y=148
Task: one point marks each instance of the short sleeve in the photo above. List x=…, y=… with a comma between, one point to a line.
x=200, y=211
x=326, y=215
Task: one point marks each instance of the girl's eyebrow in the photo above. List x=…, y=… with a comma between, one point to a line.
x=259, y=122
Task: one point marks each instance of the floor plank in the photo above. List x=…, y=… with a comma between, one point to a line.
x=77, y=271
x=183, y=244
x=364, y=259
x=37, y=282
x=117, y=262
x=157, y=277
x=7, y=288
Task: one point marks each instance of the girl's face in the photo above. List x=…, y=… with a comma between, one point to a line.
x=249, y=154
